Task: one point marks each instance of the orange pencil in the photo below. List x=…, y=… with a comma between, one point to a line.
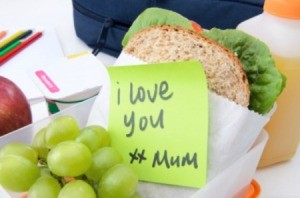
x=2, y=34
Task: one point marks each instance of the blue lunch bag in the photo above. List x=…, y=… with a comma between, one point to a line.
x=102, y=24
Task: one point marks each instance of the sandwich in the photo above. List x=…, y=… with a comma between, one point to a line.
x=238, y=66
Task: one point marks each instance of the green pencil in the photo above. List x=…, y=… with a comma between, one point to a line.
x=10, y=47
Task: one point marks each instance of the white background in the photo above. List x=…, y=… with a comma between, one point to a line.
x=281, y=180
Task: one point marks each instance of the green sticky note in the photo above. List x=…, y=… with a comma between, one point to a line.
x=159, y=121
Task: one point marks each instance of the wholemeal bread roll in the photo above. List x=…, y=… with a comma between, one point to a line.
x=224, y=72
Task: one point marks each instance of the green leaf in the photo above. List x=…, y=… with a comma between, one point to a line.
x=266, y=82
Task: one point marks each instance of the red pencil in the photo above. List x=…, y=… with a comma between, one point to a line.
x=20, y=47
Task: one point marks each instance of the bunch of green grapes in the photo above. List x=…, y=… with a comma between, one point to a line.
x=65, y=161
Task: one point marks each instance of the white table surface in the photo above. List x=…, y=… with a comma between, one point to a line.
x=281, y=180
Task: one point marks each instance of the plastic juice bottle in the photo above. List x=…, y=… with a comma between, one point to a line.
x=279, y=27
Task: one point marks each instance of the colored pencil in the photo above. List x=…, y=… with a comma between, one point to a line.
x=10, y=47
x=10, y=38
x=20, y=47
x=2, y=34
x=14, y=39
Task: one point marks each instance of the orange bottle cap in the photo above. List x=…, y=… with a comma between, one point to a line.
x=253, y=190
x=283, y=8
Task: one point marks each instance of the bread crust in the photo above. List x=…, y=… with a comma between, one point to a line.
x=224, y=72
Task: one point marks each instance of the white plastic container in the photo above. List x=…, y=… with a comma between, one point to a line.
x=69, y=81
x=279, y=27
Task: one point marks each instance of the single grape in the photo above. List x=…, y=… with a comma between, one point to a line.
x=103, y=159
x=61, y=129
x=77, y=189
x=17, y=173
x=45, y=186
x=119, y=181
x=90, y=138
x=102, y=133
x=19, y=149
x=69, y=159
x=39, y=144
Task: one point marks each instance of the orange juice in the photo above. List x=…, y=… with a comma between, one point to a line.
x=279, y=28
x=284, y=126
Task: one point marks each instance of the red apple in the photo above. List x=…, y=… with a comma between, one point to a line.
x=14, y=108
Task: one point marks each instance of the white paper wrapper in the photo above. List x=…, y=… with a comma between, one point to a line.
x=232, y=131
x=232, y=128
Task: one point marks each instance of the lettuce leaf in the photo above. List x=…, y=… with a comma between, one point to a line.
x=155, y=17
x=266, y=82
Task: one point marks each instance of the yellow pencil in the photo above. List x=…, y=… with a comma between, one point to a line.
x=10, y=38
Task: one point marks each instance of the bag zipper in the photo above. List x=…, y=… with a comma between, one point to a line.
x=107, y=24
x=102, y=36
